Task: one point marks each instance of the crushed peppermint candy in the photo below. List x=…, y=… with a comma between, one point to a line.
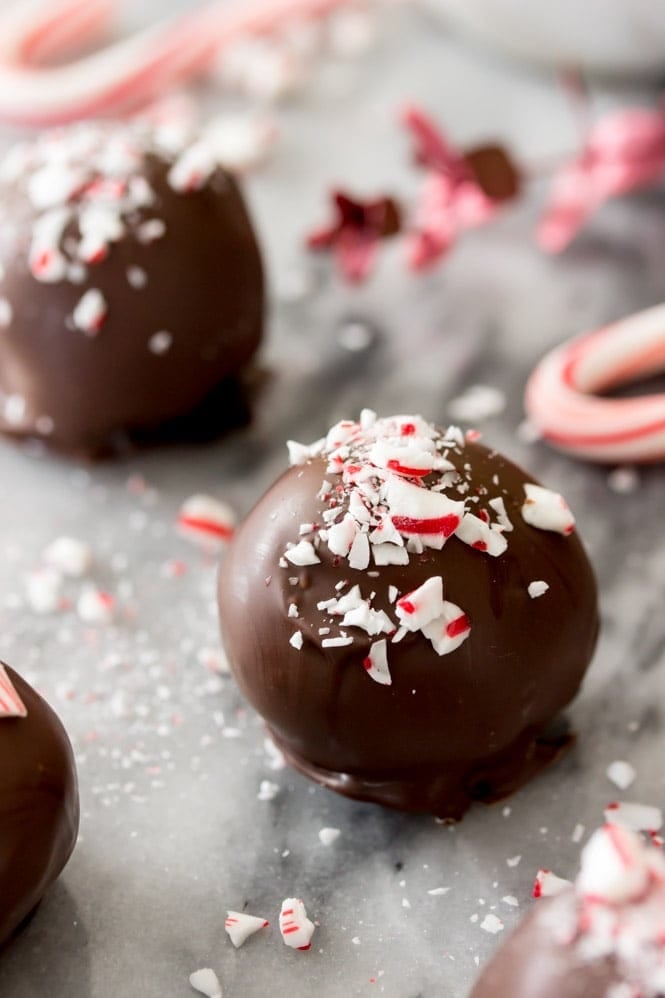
x=90, y=312
x=206, y=520
x=621, y=774
x=294, y=925
x=70, y=556
x=547, y=884
x=537, y=588
x=267, y=790
x=160, y=343
x=206, y=982
x=492, y=924
x=393, y=488
x=11, y=704
x=95, y=606
x=43, y=590
x=328, y=835
x=547, y=510
x=637, y=817
x=239, y=926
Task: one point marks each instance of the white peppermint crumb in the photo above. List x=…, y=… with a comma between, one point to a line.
x=296, y=640
x=354, y=336
x=43, y=590
x=137, y=277
x=492, y=923
x=276, y=759
x=95, y=606
x=621, y=774
x=537, y=588
x=438, y=891
x=206, y=982
x=578, y=833
x=623, y=480
x=267, y=790
x=69, y=556
x=214, y=660
x=406, y=903
x=6, y=312
x=477, y=403
x=328, y=835
x=293, y=610
x=160, y=343
x=507, y=811
x=512, y=901
x=356, y=940
x=514, y=861
x=474, y=918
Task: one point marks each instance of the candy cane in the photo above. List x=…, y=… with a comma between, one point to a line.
x=125, y=74
x=561, y=399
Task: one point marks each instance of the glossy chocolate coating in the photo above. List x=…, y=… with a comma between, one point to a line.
x=532, y=964
x=39, y=806
x=449, y=730
x=204, y=286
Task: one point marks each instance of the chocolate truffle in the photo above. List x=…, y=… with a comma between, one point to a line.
x=131, y=283
x=39, y=807
x=409, y=612
x=602, y=938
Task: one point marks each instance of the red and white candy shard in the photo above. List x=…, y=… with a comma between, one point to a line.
x=562, y=395
x=638, y=817
x=239, y=926
x=615, y=866
x=95, y=606
x=449, y=630
x=90, y=312
x=11, y=704
x=206, y=982
x=206, y=520
x=547, y=510
x=422, y=605
x=376, y=663
x=547, y=884
x=296, y=928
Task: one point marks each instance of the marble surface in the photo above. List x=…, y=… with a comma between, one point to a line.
x=170, y=759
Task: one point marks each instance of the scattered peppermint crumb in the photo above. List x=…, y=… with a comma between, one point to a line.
x=356, y=940
x=514, y=861
x=477, y=403
x=95, y=606
x=296, y=640
x=621, y=774
x=267, y=790
x=206, y=982
x=637, y=817
x=492, y=923
x=137, y=277
x=406, y=903
x=69, y=556
x=507, y=811
x=578, y=833
x=328, y=835
x=510, y=900
x=623, y=480
x=537, y=588
x=159, y=343
x=438, y=891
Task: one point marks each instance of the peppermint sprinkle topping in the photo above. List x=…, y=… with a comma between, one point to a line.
x=537, y=588
x=160, y=343
x=547, y=510
x=11, y=704
x=89, y=314
x=239, y=926
x=206, y=982
x=547, y=884
x=294, y=925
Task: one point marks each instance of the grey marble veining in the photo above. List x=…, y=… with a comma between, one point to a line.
x=170, y=759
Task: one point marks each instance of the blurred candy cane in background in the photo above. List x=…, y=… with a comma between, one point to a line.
x=263, y=47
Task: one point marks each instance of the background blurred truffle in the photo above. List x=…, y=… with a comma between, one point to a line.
x=407, y=635
x=131, y=283
x=39, y=807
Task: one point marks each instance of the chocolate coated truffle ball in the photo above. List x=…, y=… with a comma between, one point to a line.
x=131, y=283
x=39, y=807
x=602, y=938
x=409, y=611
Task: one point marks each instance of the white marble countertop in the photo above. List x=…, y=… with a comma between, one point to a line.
x=170, y=759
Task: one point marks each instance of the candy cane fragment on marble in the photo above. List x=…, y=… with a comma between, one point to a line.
x=296, y=928
x=11, y=704
x=127, y=73
x=239, y=926
x=564, y=400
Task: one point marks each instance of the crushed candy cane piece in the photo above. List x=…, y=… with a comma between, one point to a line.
x=492, y=924
x=613, y=867
x=478, y=402
x=621, y=774
x=206, y=982
x=206, y=520
x=11, y=704
x=302, y=554
x=43, y=590
x=547, y=510
x=547, y=884
x=268, y=791
x=90, y=312
x=638, y=817
x=449, y=630
x=239, y=926
x=422, y=605
x=296, y=928
x=328, y=835
x=376, y=663
x=95, y=606
x=537, y=588
x=296, y=640
x=70, y=556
